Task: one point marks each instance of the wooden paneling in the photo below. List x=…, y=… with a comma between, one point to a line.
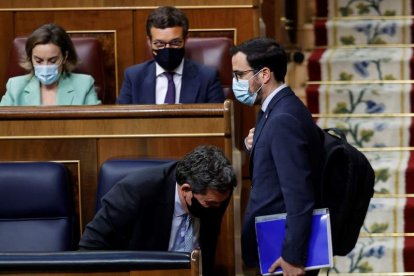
x=13, y=4
x=89, y=135
x=6, y=36
x=127, y=22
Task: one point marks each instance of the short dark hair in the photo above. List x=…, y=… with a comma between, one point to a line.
x=206, y=167
x=264, y=52
x=51, y=33
x=167, y=17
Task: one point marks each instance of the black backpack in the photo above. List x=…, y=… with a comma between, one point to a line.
x=347, y=187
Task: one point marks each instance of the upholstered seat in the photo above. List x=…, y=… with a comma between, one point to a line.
x=114, y=170
x=210, y=51
x=90, y=61
x=36, y=207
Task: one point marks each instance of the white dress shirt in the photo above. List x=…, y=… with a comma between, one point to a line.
x=178, y=212
x=161, y=84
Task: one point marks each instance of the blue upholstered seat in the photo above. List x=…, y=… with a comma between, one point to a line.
x=114, y=170
x=36, y=207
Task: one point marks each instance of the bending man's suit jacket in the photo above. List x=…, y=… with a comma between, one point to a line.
x=200, y=84
x=137, y=214
x=285, y=167
x=73, y=89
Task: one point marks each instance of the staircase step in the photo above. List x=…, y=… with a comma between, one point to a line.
x=344, y=8
x=367, y=98
x=372, y=132
x=361, y=64
x=334, y=33
x=385, y=255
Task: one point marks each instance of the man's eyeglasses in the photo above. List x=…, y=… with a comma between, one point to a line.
x=240, y=74
x=175, y=43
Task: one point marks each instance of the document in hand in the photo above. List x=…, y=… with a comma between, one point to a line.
x=270, y=233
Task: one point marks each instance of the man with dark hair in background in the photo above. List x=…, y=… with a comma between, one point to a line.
x=169, y=77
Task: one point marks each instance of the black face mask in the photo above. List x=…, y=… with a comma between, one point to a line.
x=169, y=58
x=196, y=209
x=199, y=211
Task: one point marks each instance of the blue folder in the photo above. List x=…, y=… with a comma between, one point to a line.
x=270, y=232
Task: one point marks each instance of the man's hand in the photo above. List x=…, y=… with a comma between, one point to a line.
x=287, y=268
x=248, y=141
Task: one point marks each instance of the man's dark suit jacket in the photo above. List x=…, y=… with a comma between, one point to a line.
x=137, y=214
x=200, y=84
x=284, y=163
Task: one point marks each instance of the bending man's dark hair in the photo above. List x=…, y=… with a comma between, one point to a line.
x=206, y=167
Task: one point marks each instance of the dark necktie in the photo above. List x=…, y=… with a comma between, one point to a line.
x=170, y=96
x=259, y=116
x=257, y=129
x=259, y=124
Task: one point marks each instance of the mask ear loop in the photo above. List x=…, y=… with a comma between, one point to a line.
x=260, y=88
x=255, y=74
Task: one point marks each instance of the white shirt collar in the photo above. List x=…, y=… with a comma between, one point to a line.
x=159, y=70
x=270, y=97
x=178, y=207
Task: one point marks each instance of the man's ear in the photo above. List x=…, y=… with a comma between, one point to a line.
x=150, y=45
x=184, y=190
x=186, y=187
x=266, y=74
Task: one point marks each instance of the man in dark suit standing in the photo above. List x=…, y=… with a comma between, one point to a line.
x=285, y=150
x=173, y=207
x=149, y=82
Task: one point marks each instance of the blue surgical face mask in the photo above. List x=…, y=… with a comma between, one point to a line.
x=47, y=74
x=242, y=93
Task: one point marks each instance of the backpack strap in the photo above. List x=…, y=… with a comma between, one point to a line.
x=337, y=132
x=336, y=165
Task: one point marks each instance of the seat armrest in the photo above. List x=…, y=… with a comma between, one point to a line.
x=95, y=260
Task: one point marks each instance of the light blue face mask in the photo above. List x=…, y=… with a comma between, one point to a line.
x=242, y=93
x=47, y=74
